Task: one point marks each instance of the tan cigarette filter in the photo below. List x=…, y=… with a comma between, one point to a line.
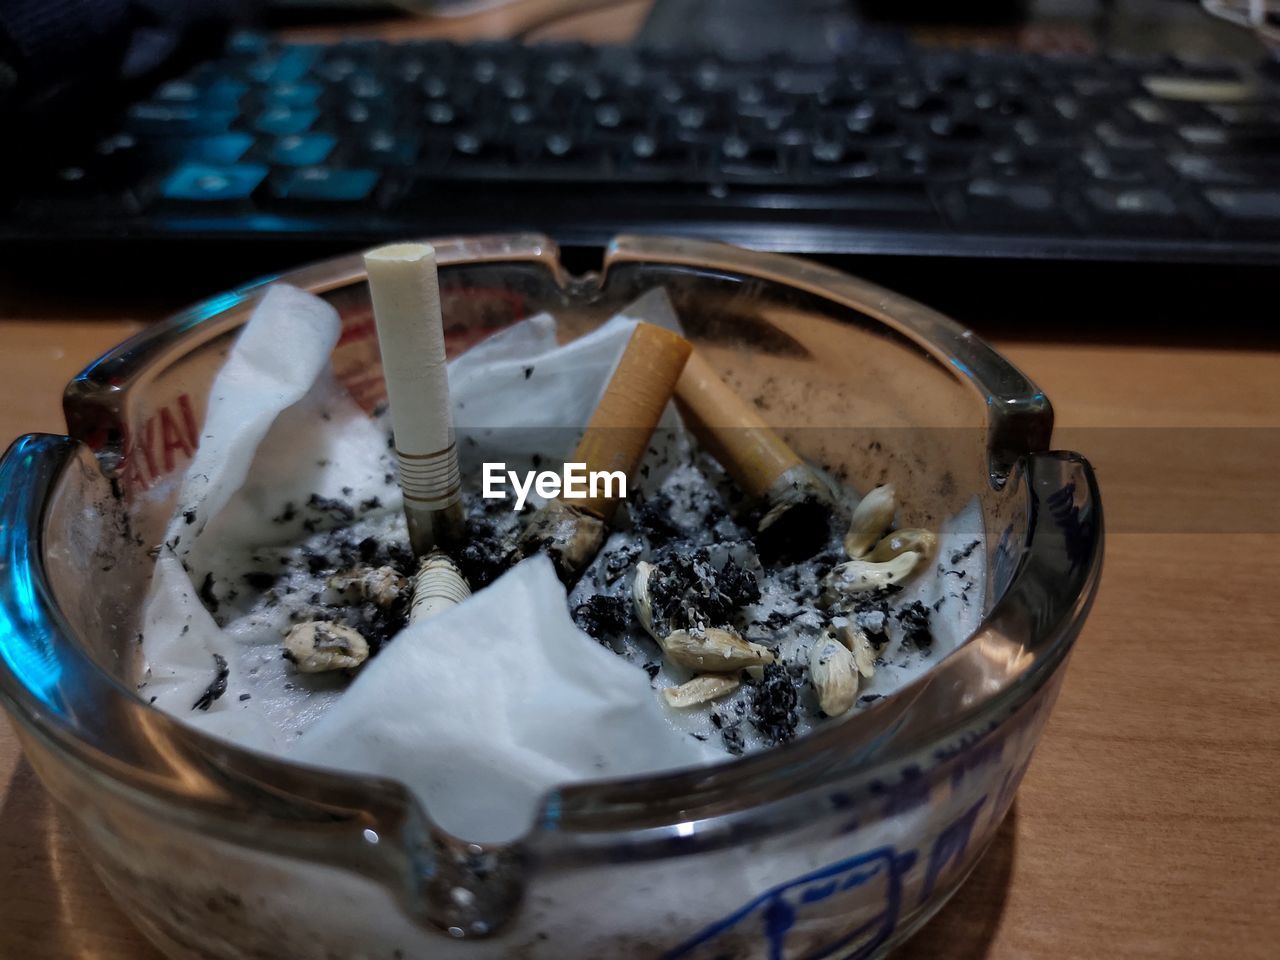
x=731, y=430
x=405, y=290
x=624, y=420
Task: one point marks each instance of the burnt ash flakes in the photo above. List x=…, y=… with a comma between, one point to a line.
x=602, y=616
x=738, y=586
x=484, y=559
x=961, y=555
x=260, y=579
x=332, y=508
x=620, y=561
x=773, y=704
x=914, y=618
x=686, y=590
x=217, y=687
x=491, y=548
x=207, y=596
x=709, y=571
x=651, y=519
x=733, y=740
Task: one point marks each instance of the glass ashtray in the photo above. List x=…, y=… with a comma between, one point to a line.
x=838, y=844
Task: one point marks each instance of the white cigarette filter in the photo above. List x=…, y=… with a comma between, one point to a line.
x=405, y=290
x=439, y=586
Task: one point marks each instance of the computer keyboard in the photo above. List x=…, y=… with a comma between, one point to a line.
x=900, y=149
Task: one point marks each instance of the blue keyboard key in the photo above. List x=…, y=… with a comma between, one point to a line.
x=286, y=121
x=292, y=94
x=245, y=43
x=326, y=185
x=223, y=92
x=220, y=149
x=288, y=66
x=208, y=182
x=303, y=150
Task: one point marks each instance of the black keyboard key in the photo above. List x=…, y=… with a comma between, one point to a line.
x=1115, y=137
x=1246, y=114
x=833, y=161
x=1006, y=206
x=1023, y=163
x=1247, y=212
x=613, y=116
x=1233, y=140
x=324, y=185
x=996, y=103
x=1048, y=134
x=1121, y=168
x=1203, y=168
x=935, y=163
x=739, y=159
x=205, y=183
x=474, y=152
x=1132, y=211
x=871, y=123
x=957, y=129
x=388, y=148
x=76, y=192
x=646, y=158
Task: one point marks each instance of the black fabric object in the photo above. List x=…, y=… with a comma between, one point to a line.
x=58, y=52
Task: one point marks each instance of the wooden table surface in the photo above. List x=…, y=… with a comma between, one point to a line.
x=1149, y=823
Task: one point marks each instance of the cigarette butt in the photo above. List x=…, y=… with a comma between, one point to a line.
x=439, y=586
x=738, y=437
x=405, y=290
x=624, y=420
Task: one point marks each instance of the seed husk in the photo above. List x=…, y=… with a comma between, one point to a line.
x=700, y=690
x=316, y=646
x=871, y=517
x=713, y=650
x=864, y=576
x=899, y=542
x=859, y=644
x=380, y=585
x=640, y=597
x=834, y=675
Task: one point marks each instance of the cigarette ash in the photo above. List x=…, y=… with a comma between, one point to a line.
x=710, y=571
x=684, y=517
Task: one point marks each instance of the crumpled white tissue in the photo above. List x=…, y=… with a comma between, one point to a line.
x=280, y=428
